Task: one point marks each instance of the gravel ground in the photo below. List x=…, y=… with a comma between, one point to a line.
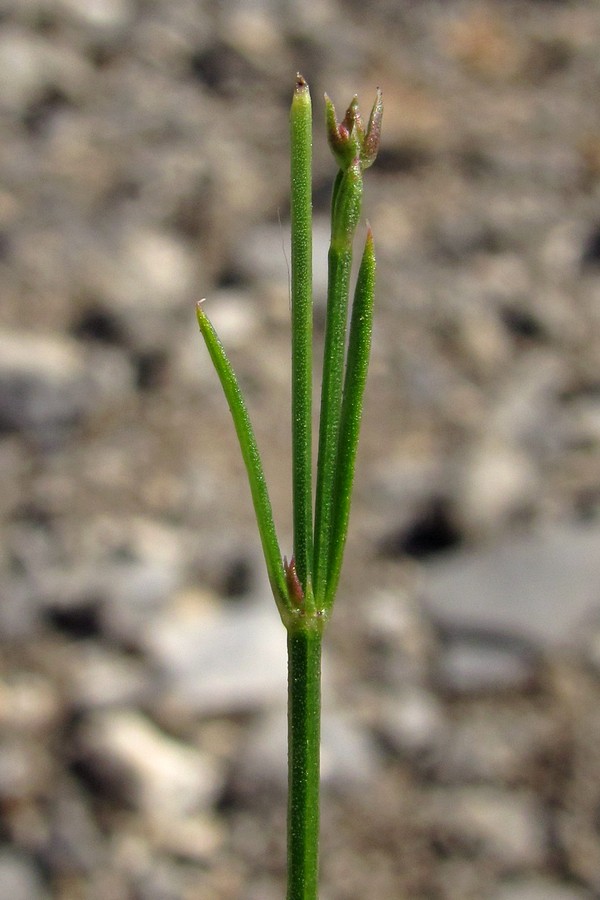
x=142, y=674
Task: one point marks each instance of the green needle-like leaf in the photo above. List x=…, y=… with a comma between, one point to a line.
x=252, y=461
x=345, y=214
x=357, y=364
x=301, y=221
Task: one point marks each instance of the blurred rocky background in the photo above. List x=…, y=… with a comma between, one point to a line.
x=143, y=165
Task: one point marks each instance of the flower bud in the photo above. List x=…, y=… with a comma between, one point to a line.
x=348, y=140
x=343, y=138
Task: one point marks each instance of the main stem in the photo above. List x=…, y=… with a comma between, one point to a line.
x=304, y=726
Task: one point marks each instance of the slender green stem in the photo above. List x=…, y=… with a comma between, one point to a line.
x=357, y=364
x=301, y=222
x=345, y=214
x=252, y=461
x=304, y=723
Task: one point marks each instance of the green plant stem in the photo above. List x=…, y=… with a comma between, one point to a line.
x=301, y=226
x=304, y=588
x=304, y=722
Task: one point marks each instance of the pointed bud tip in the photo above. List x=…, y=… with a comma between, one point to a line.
x=301, y=83
x=296, y=593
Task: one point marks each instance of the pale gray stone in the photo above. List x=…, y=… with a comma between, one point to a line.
x=43, y=381
x=146, y=278
x=31, y=65
x=19, y=879
x=101, y=678
x=477, y=665
x=161, y=776
x=539, y=586
x=220, y=661
x=413, y=722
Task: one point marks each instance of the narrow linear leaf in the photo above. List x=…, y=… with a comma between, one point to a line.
x=357, y=364
x=345, y=214
x=252, y=461
x=301, y=223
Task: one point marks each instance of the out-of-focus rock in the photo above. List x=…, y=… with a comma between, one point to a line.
x=507, y=828
x=492, y=744
x=143, y=565
x=412, y=723
x=219, y=661
x=49, y=382
x=25, y=768
x=74, y=843
x=13, y=466
x=102, y=17
x=472, y=662
x=538, y=586
x=100, y=677
x=141, y=765
x=495, y=485
x=538, y=888
x=31, y=67
x=193, y=838
x=43, y=382
x=145, y=277
x=19, y=879
x=28, y=704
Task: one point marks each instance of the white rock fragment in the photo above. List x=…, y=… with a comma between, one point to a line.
x=161, y=776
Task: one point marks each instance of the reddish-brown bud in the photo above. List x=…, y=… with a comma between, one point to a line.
x=342, y=136
x=348, y=139
x=293, y=582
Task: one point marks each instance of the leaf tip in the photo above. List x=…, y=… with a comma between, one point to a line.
x=200, y=314
x=301, y=86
